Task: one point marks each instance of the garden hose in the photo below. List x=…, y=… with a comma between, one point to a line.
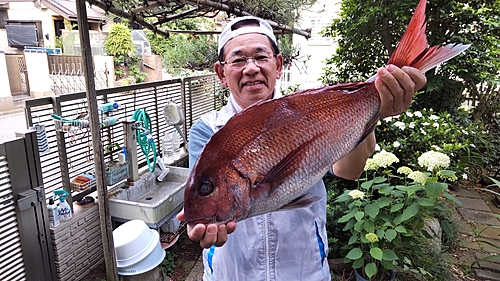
x=144, y=136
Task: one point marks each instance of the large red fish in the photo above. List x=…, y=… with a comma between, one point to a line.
x=269, y=155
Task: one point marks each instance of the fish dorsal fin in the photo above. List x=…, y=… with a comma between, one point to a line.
x=305, y=200
x=413, y=49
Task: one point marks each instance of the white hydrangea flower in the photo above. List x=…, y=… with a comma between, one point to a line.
x=433, y=117
x=433, y=160
x=385, y=159
x=436, y=124
x=377, y=147
x=418, y=176
x=426, y=123
x=465, y=176
x=396, y=144
x=400, y=125
x=356, y=194
x=409, y=114
x=418, y=113
x=423, y=132
x=412, y=125
x=404, y=170
x=388, y=119
x=435, y=147
x=370, y=165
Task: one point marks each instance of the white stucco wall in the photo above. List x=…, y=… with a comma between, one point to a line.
x=318, y=48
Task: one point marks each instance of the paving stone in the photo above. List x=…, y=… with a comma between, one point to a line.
x=468, y=242
x=478, y=217
x=489, y=231
x=465, y=192
x=475, y=204
x=489, y=245
x=464, y=227
x=482, y=274
x=492, y=264
x=464, y=258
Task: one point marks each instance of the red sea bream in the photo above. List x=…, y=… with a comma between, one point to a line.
x=270, y=154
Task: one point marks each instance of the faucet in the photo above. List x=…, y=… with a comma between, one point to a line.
x=164, y=170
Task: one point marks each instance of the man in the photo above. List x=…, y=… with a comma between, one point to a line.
x=284, y=245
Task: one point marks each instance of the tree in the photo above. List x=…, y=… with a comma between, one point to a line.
x=120, y=45
x=367, y=33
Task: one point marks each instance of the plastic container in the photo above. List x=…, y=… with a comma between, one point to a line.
x=167, y=148
x=64, y=209
x=83, y=182
x=151, y=261
x=116, y=173
x=108, y=107
x=53, y=213
x=133, y=242
x=176, y=145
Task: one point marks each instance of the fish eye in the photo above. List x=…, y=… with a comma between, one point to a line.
x=206, y=188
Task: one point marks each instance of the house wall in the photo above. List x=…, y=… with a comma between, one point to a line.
x=27, y=11
x=306, y=74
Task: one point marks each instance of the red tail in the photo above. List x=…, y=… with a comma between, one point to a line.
x=413, y=49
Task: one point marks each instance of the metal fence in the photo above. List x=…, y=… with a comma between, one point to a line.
x=71, y=152
x=67, y=76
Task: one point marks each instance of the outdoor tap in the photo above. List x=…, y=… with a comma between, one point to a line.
x=164, y=170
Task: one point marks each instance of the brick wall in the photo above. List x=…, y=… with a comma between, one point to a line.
x=77, y=244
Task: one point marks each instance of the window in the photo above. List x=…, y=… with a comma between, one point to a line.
x=318, y=24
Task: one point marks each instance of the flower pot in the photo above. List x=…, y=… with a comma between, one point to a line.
x=391, y=276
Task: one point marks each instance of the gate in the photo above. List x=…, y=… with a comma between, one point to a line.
x=18, y=74
x=26, y=251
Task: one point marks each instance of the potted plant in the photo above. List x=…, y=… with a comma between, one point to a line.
x=386, y=211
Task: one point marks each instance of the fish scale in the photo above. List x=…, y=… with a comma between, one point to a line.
x=270, y=154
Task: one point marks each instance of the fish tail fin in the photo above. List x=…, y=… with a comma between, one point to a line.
x=413, y=49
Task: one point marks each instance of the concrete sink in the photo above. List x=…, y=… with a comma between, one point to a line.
x=149, y=200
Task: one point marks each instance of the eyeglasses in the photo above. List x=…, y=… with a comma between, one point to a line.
x=240, y=62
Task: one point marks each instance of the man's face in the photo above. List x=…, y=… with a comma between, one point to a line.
x=252, y=82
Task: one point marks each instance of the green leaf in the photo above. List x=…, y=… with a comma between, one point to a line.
x=371, y=270
x=367, y=184
x=397, y=207
x=434, y=189
x=379, y=180
x=383, y=202
x=345, y=218
x=368, y=226
x=410, y=212
x=389, y=255
x=425, y=202
x=400, y=229
x=376, y=253
x=390, y=234
x=354, y=254
x=385, y=189
x=372, y=210
x=358, y=263
x=359, y=215
x=352, y=240
x=452, y=199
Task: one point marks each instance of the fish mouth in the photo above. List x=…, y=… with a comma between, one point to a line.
x=205, y=221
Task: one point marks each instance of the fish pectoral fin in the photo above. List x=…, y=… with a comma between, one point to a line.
x=287, y=166
x=301, y=202
x=370, y=127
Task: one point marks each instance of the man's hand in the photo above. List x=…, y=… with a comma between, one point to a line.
x=209, y=235
x=396, y=87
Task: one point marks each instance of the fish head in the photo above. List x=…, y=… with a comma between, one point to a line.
x=216, y=196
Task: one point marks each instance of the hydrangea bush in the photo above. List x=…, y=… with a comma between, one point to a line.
x=413, y=132
x=384, y=218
